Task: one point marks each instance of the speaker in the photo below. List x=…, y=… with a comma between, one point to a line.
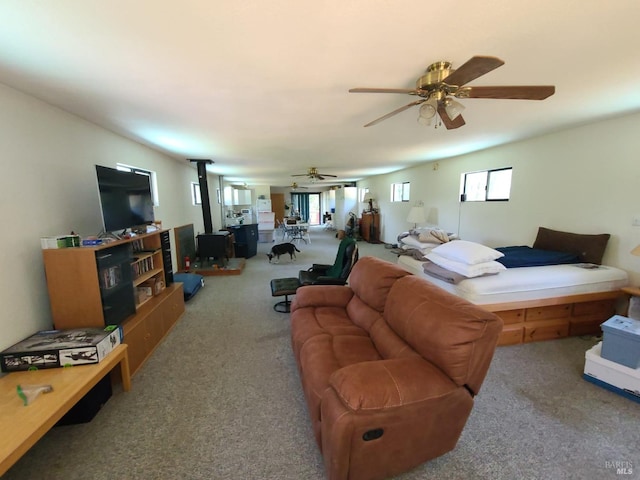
x=165, y=244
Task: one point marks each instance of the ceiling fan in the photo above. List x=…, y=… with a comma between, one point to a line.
x=295, y=186
x=441, y=82
x=313, y=174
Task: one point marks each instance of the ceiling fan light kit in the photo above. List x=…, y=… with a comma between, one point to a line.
x=441, y=82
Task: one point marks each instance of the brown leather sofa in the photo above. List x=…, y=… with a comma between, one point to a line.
x=389, y=366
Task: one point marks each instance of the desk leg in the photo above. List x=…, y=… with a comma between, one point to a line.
x=124, y=372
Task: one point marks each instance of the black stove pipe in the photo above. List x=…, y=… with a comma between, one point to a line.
x=204, y=192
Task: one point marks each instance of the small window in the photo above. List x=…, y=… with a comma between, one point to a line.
x=195, y=193
x=487, y=185
x=400, y=192
x=141, y=171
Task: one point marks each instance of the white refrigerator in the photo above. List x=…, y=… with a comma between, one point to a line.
x=263, y=205
x=266, y=221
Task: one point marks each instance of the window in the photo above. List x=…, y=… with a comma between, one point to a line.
x=400, y=192
x=487, y=185
x=141, y=171
x=195, y=193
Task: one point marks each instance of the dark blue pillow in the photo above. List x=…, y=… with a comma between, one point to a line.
x=523, y=256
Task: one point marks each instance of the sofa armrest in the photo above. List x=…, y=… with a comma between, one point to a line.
x=323, y=296
x=389, y=383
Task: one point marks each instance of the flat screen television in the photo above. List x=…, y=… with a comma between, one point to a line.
x=125, y=199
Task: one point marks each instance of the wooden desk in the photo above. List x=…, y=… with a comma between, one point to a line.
x=23, y=426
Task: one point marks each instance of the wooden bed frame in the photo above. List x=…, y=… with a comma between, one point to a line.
x=556, y=317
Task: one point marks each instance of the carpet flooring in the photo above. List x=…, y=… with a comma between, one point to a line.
x=221, y=399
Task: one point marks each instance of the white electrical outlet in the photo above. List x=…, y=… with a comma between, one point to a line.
x=636, y=221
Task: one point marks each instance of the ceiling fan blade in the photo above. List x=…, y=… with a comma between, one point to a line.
x=327, y=175
x=301, y=175
x=532, y=92
x=448, y=122
x=395, y=112
x=410, y=91
x=472, y=69
x=319, y=177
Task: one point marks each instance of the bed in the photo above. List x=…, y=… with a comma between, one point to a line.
x=538, y=302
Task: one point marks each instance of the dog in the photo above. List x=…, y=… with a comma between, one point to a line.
x=281, y=249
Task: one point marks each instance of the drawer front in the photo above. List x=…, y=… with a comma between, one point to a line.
x=585, y=327
x=511, y=316
x=548, y=312
x=606, y=308
x=548, y=330
x=511, y=335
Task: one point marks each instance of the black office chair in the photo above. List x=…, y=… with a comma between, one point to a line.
x=336, y=274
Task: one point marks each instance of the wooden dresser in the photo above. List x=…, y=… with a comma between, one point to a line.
x=370, y=227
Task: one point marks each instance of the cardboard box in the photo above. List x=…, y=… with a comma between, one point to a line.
x=143, y=294
x=154, y=284
x=621, y=341
x=611, y=375
x=61, y=348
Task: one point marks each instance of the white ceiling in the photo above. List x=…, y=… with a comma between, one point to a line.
x=261, y=87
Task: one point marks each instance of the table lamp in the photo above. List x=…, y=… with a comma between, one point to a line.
x=416, y=216
x=369, y=198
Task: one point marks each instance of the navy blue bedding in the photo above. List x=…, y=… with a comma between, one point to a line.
x=523, y=256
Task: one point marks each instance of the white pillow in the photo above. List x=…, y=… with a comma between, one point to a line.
x=469, y=271
x=467, y=252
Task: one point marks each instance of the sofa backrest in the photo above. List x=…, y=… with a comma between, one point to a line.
x=371, y=280
x=448, y=331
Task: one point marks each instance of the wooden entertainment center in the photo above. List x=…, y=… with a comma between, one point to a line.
x=121, y=282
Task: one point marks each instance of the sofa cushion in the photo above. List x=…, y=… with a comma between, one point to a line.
x=371, y=279
x=309, y=322
x=445, y=329
x=388, y=342
x=390, y=383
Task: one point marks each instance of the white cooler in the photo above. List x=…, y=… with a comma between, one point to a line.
x=611, y=375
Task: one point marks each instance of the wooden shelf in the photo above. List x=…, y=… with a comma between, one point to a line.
x=77, y=299
x=146, y=276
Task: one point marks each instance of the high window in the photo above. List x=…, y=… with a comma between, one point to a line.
x=195, y=193
x=487, y=185
x=400, y=192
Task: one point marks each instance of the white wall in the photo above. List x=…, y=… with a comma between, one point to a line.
x=584, y=180
x=48, y=187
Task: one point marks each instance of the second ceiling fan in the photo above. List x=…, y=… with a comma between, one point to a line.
x=441, y=82
x=313, y=174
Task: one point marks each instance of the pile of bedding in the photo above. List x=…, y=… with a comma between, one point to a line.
x=420, y=241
